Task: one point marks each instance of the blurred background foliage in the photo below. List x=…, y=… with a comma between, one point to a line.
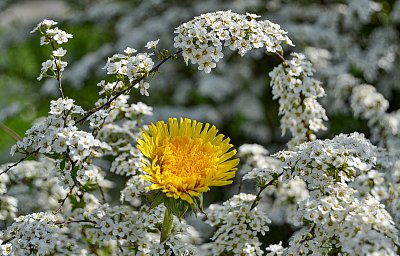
x=349, y=42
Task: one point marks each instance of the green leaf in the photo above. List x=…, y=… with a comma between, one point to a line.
x=197, y=205
x=178, y=207
x=62, y=164
x=163, y=54
x=155, y=197
x=76, y=203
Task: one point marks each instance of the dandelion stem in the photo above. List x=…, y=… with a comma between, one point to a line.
x=167, y=225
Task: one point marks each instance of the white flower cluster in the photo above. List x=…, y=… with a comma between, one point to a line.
x=133, y=191
x=393, y=202
x=339, y=218
x=372, y=182
x=120, y=126
x=8, y=204
x=258, y=164
x=137, y=231
x=293, y=84
x=39, y=234
x=202, y=38
x=279, y=199
x=29, y=186
x=47, y=135
x=275, y=249
x=282, y=203
x=238, y=226
x=366, y=102
x=58, y=135
x=133, y=66
x=54, y=37
x=340, y=222
x=118, y=108
x=372, y=106
x=322, y=163
x=8, y=207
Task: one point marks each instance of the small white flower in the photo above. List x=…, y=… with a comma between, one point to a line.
x=275, y=249
x=60, y=52
x=152, y=44
x=6, y=249
x=130, y=51
x=143, y=88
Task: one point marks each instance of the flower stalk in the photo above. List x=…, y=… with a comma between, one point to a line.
x=167, y=225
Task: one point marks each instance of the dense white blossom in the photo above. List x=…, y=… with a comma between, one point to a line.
x=293, y=84
x=257, y=163
x=238, y=226
x=202, y=38
x=133, y=66
x=39, y=233
x=341, y=222
x=137, y=231
x=54, y=37
x=28, y=187
x=324, y=162
x=275, y=249
x=338, y=218
x=134, y=189
x=367, y=102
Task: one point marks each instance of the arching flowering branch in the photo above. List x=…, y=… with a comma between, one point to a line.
x=202, y=38
x=55, y=37
x=292, y=83
x=133, y=84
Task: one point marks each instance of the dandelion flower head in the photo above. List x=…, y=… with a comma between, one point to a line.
x=186, y=158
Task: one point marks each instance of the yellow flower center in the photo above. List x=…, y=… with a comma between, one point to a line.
x=188, y=159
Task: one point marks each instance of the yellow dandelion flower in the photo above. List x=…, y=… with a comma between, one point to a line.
x=186, y=158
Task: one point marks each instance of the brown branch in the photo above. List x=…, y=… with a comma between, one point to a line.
x=22, y=159
x=133, y=83
x=8, y=240
x=103, y=197
x=75, y=221
x=258, y=196
x=280, y=56
x=65, y=199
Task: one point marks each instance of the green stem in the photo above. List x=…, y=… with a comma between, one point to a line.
x=167, y=225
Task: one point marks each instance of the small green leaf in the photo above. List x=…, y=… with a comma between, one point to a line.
x=156, y=198
x=62, y=164
x=177, y=207
x=76, y=203
x=163, y=54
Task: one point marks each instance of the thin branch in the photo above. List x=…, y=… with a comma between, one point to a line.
x=22, y=159
x=108, y=102
x=258, y=196
x=65, y=199
x=134, y=82
x=103, y=197
x=8, y=240
x=58, y=69
x=75, y=221
x=280, y=56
